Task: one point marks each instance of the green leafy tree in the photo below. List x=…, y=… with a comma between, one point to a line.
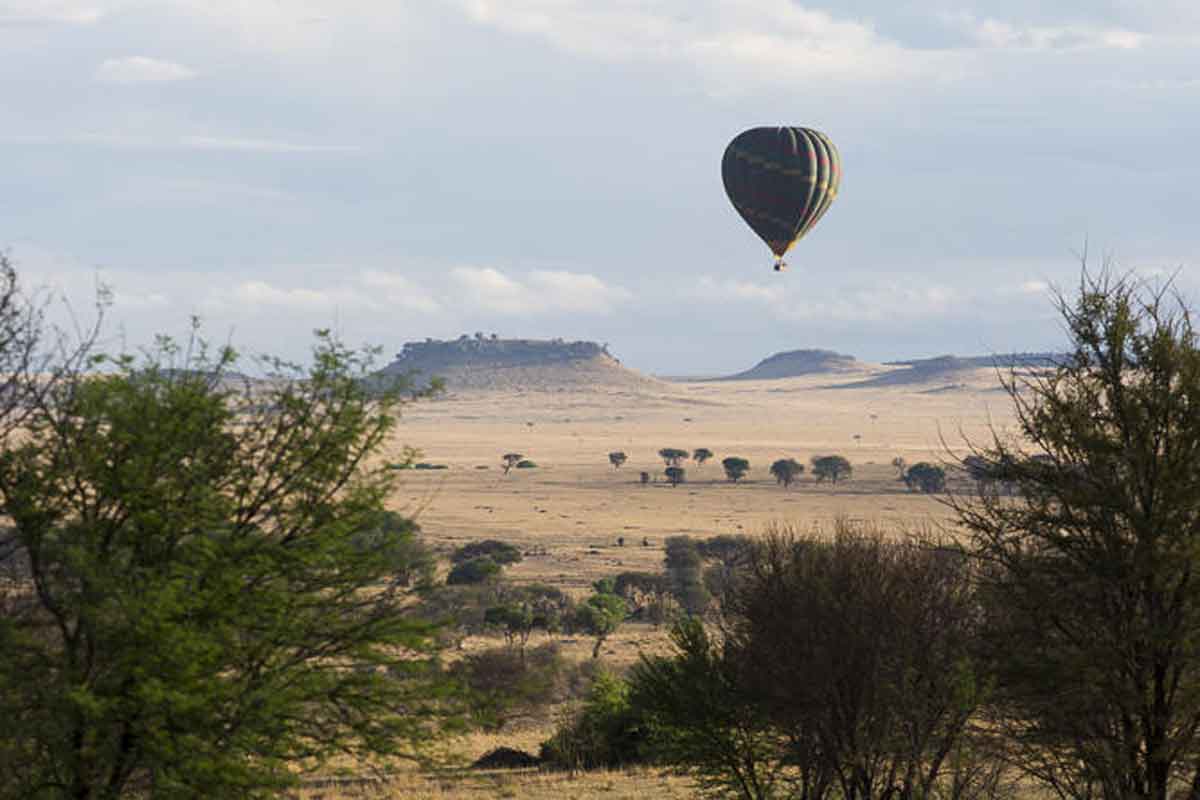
x=600, y=616
x=831, y=468
x=925, y=477
x=396, y=537
x=1094, y=602
x=700, y=455
x=786, y=470
x=510, y=460
x=672, y=456
x=204, y=609
x=616, y=458
x=476, y=570
x=684, y=565
x=735, y=468
x=675, y=475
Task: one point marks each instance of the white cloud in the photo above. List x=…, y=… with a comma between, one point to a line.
x=141, y=69
x=370, y=291
x=541, y=291
x=994, y=33
x=774, y=41
x=1034, y=287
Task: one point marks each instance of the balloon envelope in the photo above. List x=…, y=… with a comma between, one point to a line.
x=781, y=180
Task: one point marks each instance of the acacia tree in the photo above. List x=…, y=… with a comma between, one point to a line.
x=1093, y=569
x=735, y=467
x=785, y=471
x=700, y=455
x=671, y=456
x=510, y=460
x=616, y=458
x=200, y=614
x=832, y=468
x=675, y=475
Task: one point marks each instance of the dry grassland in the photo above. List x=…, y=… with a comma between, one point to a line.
x=569, y=512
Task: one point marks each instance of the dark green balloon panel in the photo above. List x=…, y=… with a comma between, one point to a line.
x=781, y=180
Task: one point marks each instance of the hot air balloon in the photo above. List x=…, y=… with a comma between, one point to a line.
x=781, y=180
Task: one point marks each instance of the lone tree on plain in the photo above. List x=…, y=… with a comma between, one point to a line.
x=672, y=456
x=735, y=467
x=510, y=460
x=675, y=475
x=831, y=468
x=901, y=467
x=926, y=478
x=700, y=455
x=616, y=458
x=1093, y=570
x=207, y=604
x=786, y=470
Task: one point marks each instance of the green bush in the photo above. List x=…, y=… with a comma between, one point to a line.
x=496, y=550
x=477, y=570
x=526, y=464
x=426, y=465
x=607, y=731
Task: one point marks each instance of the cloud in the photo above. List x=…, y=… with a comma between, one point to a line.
x=773, y=41
x=993, y=33
x=370, y=291
x=141, y=69
x=541, y=291
x=1034, y=287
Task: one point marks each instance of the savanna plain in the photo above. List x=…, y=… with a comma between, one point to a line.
x=578, y=519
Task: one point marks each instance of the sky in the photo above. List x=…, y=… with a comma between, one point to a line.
x=402, y=169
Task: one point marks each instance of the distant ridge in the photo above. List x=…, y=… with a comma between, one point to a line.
x=950, y=370
x=489, y=363
x=794, y=363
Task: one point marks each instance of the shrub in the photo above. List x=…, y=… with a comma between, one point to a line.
x=608, y=731
x=701, y=454
x=675, y=475
x=427, y=465
x=496, y=550
x=616, y=458
x=671, y=456
x=394, y=536
x=644, y=477
x=926, y=477
x=477, y=570
x=504, y=685
x=526, y=464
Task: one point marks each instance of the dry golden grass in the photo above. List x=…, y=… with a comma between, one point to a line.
x=569, y=513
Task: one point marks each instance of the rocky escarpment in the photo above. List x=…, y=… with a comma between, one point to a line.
x=490, y=363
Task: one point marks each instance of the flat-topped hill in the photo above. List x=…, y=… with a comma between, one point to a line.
x=951, y=371
x=490, y=363
x=794, y=363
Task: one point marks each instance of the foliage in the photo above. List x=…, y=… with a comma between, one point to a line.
x=644, y=477
x=671, y=456
x=1091, y=584
x=699, y=717
x=675, y=475
x=394, y=537
x=786, y=470
x=832, y=468
x=926, y=477
x=504, y=685
x=845, y=668
x=607, y=732
x=526, y=464
x=510, y=460
x=685, y=574
x=600, y=615
x=475, y=570
x=498, y=551
x=901, y=467
x=735, y=467
x=616, y=458
x=217, y=603
x=647, y=594
x=701, y=454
